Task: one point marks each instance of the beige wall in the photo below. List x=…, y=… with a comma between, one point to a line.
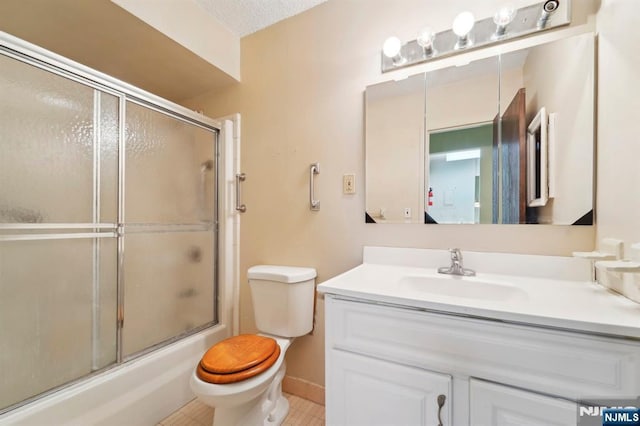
x=618, y=200
x=301, y=101
x=104, y=36
x=204, y=36
x=560, y=76
x=463, y=102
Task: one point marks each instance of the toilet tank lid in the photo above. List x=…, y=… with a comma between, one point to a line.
x=283, y=274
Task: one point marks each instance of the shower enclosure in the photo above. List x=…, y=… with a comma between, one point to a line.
x=108, y=225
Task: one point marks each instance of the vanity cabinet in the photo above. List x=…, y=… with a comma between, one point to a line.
x=369, y=391
x=387, y=365
x=493, y=404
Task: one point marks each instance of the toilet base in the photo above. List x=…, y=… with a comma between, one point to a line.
x=268, y=409
x=277, y=415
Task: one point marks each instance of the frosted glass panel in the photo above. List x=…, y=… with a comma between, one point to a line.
x=47, y=294
x=169, y=169
x=108, y=156
x=168, y=286
x=47, y=139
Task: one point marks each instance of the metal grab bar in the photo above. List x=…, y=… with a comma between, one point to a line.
x=314, y=169
x=240, y=177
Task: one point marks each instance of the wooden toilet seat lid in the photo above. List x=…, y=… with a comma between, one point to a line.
x=238, y=353
x=221, y=379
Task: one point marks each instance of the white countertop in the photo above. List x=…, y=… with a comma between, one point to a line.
x=561, y=303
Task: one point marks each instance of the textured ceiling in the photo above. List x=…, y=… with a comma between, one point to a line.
x=244, y=17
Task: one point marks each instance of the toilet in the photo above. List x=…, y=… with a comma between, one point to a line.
x=241, y=376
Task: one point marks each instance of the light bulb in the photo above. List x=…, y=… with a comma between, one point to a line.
x=502, y=18
x=505, y=15
x=463, y=24
x=425, y=38
x=391, y=47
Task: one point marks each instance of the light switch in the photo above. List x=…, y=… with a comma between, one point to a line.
x=349, y=183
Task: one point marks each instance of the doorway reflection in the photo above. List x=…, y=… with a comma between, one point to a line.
x=460, y=175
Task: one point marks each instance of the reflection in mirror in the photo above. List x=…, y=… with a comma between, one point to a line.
x=461, y=104
x=549, y=179
x=395, y=151
x=461, y=175
x=464, y=145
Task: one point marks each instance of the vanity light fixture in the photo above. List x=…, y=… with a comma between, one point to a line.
x=468, y=34
x=425, y=40
x=502, y=18
x=462, y=26
x=392, y=48
x=548, y=8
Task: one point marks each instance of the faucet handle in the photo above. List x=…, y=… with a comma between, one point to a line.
x=456, y=254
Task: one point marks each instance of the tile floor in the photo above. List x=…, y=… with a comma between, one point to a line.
x=301, y=413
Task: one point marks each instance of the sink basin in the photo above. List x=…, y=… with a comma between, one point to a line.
x=464, y=287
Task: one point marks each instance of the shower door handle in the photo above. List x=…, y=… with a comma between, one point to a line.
x=314, y=169
x=240, y=177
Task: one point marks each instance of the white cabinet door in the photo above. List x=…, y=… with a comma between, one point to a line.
x=497, y=405
x=363, y=391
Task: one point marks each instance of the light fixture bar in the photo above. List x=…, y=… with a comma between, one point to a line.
x=469, y=154
x=527, y=21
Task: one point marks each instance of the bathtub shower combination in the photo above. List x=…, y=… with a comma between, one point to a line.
x=108, y=213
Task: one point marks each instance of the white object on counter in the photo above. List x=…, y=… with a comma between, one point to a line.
x=610, y=249
x=619, y=266
x=594, y=255
x=622, y=275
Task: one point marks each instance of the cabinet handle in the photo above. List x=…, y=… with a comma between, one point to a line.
x=441, y=400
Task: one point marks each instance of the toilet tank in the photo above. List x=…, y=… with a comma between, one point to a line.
x=282, y=299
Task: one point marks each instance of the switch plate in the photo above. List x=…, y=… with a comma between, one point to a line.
x=349, y=183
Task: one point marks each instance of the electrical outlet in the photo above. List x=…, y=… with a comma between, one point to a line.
x=349, y=183
x=407, y=212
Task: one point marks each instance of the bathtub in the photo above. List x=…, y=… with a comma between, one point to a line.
x=140, y=392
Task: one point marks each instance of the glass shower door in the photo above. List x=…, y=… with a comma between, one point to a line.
x=58, y=252
x=169, y=228
x=108, y=226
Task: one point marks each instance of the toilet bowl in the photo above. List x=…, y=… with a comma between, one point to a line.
x=283, y=304
x=254, y=401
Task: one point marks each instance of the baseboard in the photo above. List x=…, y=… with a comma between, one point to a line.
x=303, y=389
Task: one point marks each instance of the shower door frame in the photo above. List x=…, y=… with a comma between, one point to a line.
x=40, y=58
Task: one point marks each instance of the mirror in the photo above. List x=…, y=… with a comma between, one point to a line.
x=507, y=139
x=461, y=106
x=394, y=154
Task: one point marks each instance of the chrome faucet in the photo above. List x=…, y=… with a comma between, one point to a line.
x=456, y=267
